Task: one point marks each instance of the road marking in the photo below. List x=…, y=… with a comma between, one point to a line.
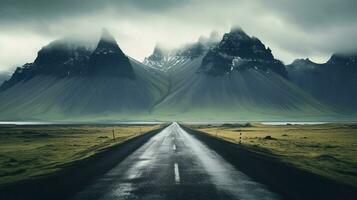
x=174, y=147
x=177, y=174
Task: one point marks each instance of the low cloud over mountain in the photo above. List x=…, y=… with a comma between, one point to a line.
x=314, y=29
x=234, y=78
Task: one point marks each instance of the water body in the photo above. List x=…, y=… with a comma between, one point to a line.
x=68, y=123
x=24, y=123
x=293, y=123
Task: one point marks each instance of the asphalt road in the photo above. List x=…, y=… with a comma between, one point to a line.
x=174, y=165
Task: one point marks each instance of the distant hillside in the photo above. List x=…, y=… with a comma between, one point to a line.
x=333, y=83
x=71, y=81
x=241, y=95
x=234, y=77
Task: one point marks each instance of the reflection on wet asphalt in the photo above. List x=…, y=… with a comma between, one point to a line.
x=174, y=165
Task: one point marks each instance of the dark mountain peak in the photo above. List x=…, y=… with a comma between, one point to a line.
x=239, y=51
x=107, y=44
x=344, y=59
x=238, y=43
x=237, y=34
x=303, y=66
x=71, y=56
x=302, y=61
x=109, y=60
x=60, y=58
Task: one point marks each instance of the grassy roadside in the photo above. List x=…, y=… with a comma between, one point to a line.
x=329, y=150
x=29, y=151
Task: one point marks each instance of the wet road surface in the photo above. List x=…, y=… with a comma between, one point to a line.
x=174, y=165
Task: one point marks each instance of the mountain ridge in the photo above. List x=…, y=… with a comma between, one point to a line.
x=39, y=91
x=238, y=51
x=66, y=58
x=109, y=60
x=333, y=82
x=231, y=78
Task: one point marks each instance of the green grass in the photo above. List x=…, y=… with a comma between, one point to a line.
x=329, y=150
x=28, y=151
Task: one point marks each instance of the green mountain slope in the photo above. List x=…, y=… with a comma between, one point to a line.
x=251, y=94
x=236, y=78
x=50, y=98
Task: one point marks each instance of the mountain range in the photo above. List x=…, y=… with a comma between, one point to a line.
x=334, y=83
x=234, y=77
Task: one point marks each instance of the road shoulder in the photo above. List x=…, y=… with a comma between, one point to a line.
x=285, y=179
x=75, y=176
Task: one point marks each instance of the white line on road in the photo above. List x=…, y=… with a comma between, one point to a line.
x=177, y=174
x=174, y=147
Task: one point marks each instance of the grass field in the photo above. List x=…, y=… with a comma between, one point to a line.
x=329, y=150
x=28, y=151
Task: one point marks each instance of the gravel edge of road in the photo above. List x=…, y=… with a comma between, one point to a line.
x=285, y=179
x=75, y=176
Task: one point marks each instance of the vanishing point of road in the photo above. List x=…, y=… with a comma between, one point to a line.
x=174, y=165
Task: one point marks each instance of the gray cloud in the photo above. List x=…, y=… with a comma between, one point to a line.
x=291, y=28
x=13, y=11
x=316, y=14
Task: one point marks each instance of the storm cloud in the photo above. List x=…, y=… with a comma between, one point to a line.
x=292, y=29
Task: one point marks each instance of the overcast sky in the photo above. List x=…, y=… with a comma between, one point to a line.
x=292, y=29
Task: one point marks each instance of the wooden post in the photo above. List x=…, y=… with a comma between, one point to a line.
x=240, y=138
x=113, y=135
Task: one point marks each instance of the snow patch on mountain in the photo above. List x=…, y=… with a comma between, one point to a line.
x=168, y=59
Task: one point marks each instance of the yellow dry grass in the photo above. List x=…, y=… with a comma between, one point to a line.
x=27, y=151
x=329, y=149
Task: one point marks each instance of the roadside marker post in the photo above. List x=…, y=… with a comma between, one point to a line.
x=113, y=135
